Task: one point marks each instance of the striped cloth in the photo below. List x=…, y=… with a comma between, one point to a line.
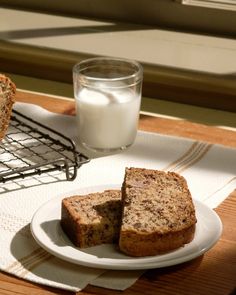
x=210, y=171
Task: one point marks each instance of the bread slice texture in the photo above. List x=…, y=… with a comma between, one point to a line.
x=158, y=212
x=7, y=98
x=92, y=219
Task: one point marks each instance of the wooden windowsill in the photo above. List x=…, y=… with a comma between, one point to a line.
x=180, y=67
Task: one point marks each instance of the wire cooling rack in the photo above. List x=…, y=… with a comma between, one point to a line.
x=31, y=148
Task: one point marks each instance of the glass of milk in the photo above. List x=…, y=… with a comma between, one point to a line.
x=108, y=97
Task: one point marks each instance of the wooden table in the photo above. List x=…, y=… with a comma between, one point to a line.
x=212, y=273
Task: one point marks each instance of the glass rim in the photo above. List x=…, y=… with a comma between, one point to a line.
x=137, y=74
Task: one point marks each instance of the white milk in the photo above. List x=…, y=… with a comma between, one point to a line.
x=107, y=119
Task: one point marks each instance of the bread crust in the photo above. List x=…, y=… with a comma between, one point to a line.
x=7, y=99
x=166, y=214
x=142, y=244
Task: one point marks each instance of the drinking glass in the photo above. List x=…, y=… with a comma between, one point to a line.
x=108, y=96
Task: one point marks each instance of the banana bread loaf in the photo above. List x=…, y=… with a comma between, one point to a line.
x=158, y=212
x=92, y=219
x=7, y=98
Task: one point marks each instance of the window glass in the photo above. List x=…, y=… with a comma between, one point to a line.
x=170, y=14
x=218, y=4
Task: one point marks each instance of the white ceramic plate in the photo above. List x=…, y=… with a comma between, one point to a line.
x=46, y=229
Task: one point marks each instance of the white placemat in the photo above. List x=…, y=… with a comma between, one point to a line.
x=210, y=171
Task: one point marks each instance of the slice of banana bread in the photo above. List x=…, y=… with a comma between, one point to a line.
x=92, y=219
x=158, y=212
x=7, y=98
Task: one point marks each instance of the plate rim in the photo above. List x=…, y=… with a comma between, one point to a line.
x=135, y=264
